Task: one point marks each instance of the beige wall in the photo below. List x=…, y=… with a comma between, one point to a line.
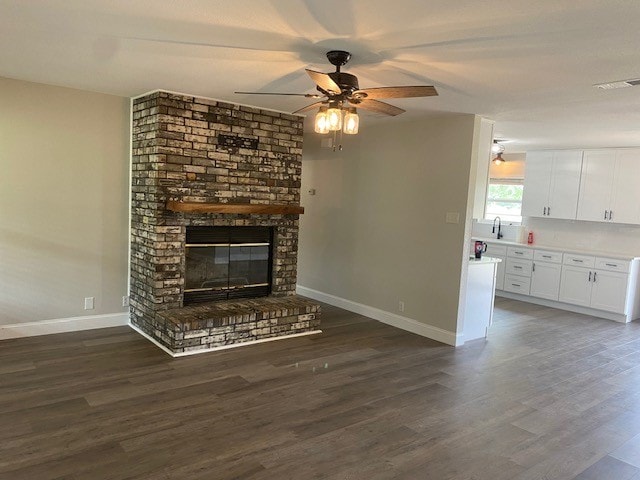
x=63, y=201
x=375, y=231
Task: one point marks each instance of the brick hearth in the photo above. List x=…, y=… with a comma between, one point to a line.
x=180, y=156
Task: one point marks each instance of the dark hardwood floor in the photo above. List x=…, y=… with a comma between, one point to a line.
x=550, y=395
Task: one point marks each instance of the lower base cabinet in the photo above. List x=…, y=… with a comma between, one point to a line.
x=594, y=288
x=609, y=291
x=545, y=280
x=599, y=283
x=575, y=286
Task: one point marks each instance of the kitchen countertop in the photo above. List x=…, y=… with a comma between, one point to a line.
x=579, y=251
x=483, y=261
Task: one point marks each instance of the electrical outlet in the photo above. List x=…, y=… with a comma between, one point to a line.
x=125, y=300
x=89, y=303
x=401, y=306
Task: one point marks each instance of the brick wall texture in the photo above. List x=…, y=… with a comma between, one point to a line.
x=176, y=156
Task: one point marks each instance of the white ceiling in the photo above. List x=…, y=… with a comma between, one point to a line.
x=529, y=65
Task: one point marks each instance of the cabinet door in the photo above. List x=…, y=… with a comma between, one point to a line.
x=609, y=291
x=500, y=272
x=545, y=280
x=537, y=180
x=595, y=184
x=565, y=184
x=625, y=198
x=575, y=287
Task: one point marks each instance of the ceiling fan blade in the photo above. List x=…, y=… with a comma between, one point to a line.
x=324, y=81
x=309, y=107
x=307, y=95
x=378, y=107
x=396, y=92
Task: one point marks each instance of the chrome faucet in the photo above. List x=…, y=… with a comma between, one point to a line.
x=493, y=230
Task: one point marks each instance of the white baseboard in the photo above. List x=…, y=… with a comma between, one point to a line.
x=221, y=347
x=616, y=317
x=63, y=325
x=398, y=321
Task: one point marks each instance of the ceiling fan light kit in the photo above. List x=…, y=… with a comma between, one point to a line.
x=342, y=94
x=321, y=124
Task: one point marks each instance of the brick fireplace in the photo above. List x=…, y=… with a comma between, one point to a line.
x=203, y=163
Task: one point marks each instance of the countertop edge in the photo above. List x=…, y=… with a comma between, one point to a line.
x=595, y=253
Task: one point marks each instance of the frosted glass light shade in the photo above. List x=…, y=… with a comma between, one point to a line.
x=351, y=122
x=321, y=124
x=334, y=118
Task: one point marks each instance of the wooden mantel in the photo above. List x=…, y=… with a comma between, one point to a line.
x=243, y=209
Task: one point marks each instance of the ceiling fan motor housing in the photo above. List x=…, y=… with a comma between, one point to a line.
x=348, y=83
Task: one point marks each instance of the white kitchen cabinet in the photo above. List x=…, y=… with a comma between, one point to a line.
x=545, y=280
x=575, y=285
x=517, y=284
x=602, y=286
x=537, y=181
x=603, y=289
x=625, y=199
x=609, y=186
x=500, y=272
x=551, y=184
x=496, y=250
x=609, y=291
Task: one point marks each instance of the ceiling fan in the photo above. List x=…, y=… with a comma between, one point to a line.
x=341, y=90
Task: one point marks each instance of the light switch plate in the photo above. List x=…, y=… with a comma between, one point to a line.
x=89, y=303
x=452, y=217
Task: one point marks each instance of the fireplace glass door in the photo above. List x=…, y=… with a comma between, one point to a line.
x=227, y=262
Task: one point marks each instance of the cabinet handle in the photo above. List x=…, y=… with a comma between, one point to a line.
x=519, y=253
x=577, y=261
x=594, y=277
x=611, y=265
x=605, y=215
x=517, y=266
x=533, y=267
x=589, y=276
x=544, y=211
x=515, y=285
x=610, y=214
x=548, y=210
x=546, y=256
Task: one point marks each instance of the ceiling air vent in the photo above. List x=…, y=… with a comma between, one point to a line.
x=618, y=84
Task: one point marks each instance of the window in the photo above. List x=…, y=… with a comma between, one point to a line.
x=504, y=199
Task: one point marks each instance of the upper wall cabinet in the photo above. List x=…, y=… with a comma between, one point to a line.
x=609, y=186
x=552, y=184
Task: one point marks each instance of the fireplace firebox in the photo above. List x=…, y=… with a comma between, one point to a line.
x=227, y=263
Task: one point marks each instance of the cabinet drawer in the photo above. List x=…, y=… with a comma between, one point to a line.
x=547, y=256
x=496, y=250
x=516, y=284
x=518, y=252
x=612, y=264
x=579, y=260
x=519, y=267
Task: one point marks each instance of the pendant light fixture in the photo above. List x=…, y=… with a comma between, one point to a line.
x=498, y=149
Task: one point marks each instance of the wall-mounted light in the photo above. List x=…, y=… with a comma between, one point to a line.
x=499, y=160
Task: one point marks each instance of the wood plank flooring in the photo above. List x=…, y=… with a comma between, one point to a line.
x=550, y=395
